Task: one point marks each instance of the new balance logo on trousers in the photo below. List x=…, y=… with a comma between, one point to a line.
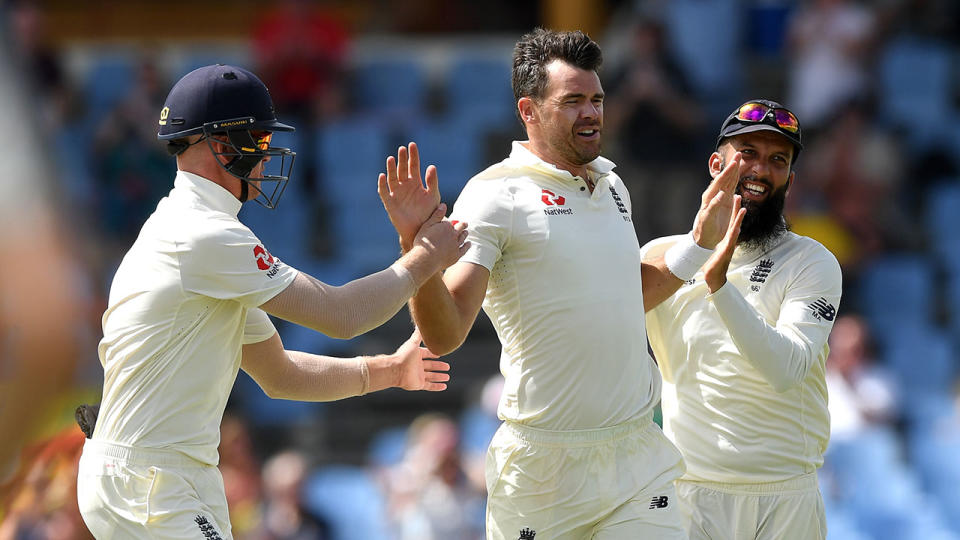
x=659, y=502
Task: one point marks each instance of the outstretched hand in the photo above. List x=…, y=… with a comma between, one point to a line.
x=418, y=369
x=715, y=269
x=408, y=200
x=716, y=205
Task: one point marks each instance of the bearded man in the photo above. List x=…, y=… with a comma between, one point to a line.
x=742, y=347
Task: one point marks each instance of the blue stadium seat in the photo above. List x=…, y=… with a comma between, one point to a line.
x=393, y=87
x=351, y=154
x=73, y=164
x=109, y=79
x=477, y=428
x=478, y=91
x=915, y=88
x=923, y=359
x=704, y=36
x=388, y=447
x=897, y=290
x=934, y=450
x=455, y=147
x=263, y=411
x=941, y=207
x=852, y=460
x=208, y=56
x=349, y=499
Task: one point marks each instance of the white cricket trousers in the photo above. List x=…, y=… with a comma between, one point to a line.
x=788, y=510
x=133, y=493
x=605, y=484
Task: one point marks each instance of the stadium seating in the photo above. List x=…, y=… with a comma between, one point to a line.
x=915, y=88
x=897, y=290
x=390, y=87
x=704, y=36
x=109, y=79
x=351, y=154
x=923, y=359
x=478, y=92
x=349, y=499
x=455, y=147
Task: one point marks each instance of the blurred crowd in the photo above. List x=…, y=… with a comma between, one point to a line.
x=876, y=86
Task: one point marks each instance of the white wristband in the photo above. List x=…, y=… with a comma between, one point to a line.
x=685, y=258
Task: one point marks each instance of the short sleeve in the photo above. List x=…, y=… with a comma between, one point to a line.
x=230, y=263
x=487, y=207
x=258, y=328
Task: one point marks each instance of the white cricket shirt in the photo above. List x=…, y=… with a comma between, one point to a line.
x=744, y=395
x=182, y=303
x=564, y=293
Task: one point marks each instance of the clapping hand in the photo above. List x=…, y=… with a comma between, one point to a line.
x=717, y=205
x=407, y=199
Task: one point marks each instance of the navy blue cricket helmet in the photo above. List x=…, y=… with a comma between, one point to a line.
x=232, y=105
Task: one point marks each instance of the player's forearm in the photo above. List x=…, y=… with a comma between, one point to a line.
x=421, y=263
x=437, y=316
x=782, y=359
x=658, y=283
x=348, y=310
x=311, y=377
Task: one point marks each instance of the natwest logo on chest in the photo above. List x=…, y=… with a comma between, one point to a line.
x=554, y=201
x=550, y=198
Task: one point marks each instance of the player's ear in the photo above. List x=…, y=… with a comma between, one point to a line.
x=790, y=178
x=528, y=110
x=715, y=164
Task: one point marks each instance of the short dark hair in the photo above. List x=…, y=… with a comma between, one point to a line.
x=537, y=49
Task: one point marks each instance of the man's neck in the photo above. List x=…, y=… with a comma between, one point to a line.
x=575, y=170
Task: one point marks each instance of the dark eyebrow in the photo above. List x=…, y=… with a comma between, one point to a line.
x=580, y=95
x=783, y=153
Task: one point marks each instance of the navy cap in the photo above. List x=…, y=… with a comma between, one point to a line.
x=735, y=126
x=225, y=97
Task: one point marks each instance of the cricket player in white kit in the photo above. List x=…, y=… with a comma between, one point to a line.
x=188, y=308
x=555, y=263
x=742, y=348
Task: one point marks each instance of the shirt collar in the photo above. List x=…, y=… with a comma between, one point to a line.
x=519, y=153
x=208, y=192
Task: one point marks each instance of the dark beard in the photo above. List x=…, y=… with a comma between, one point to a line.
x=764, y=223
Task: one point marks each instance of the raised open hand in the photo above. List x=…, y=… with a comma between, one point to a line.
x=716, y=203
x=715, y=269
x=407, y=199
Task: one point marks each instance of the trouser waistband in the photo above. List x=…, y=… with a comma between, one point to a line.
x=139, y=456
x=804, y=482
x=579, y=437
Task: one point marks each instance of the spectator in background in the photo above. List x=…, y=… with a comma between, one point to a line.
x=861, y=392
x=430, y=497
x=828, y=42
x=478, y=424
x=301, y=50
x=654, y=129
x=132, y=169
x=42, y=504
x=284, y=516
x=49, y=84
x=854, y=175
x=240, y=469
